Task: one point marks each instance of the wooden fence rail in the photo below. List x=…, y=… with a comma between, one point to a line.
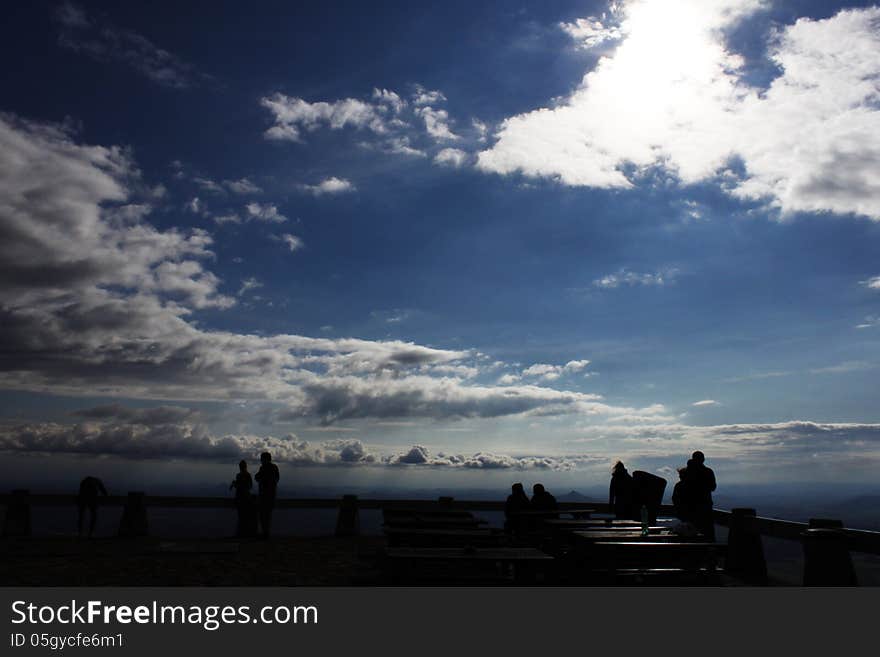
x=856, y=540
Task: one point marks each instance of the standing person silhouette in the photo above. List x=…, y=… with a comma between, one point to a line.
x=244, y=504
x=620, y=492
x=267, y=478
x=89, y=489
x=701, y=484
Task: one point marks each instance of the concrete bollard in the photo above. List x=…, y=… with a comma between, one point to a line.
x=18, y=514
x=827, y=561
x=134, y=516
x=348, y=522
x=745, y=552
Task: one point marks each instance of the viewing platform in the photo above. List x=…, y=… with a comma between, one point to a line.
x=440, y=541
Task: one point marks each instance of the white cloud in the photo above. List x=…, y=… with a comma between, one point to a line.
x=590, y=32
x=453, y=157
x=249, y=284
x=389, y=98
x=870, y=321
x=264, y=212
x=437, y=123
x=552, y=372
x=706, y=402
x=809, y=142
x=332, y=185
x=293, y=115
x=293, y=242
x=423, y=96
x=631, y=278
x=230, y=218
x=872, y=283
x=242, y=186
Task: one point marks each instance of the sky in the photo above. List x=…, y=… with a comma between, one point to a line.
x=440, y=244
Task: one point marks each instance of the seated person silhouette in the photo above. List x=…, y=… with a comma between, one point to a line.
x=620, y=492
x=87, y=498
x=543, y=501
x=516, y=502
x=244, y=502
x=267, y=478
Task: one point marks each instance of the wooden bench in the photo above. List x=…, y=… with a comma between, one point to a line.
x=672, y=561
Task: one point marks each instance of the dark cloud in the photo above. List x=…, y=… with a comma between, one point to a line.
x=103, y=41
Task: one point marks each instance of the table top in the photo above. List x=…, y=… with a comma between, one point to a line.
x=547, y=512
x=444, y=531
x=625, y=535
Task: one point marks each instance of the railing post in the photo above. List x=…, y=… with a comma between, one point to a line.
x=827, y=561
x=745, y=552
x=134, y=516
x=348, y=522
x=18, y=514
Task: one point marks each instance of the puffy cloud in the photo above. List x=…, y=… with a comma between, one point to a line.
x=590, y=32
x=293, y=242
x=332, y=185
x=389, y=121
x=453, y=157
x=264, y=212
x=242, y=186
x=437, y=123
x=103, y=41
x=293, y=115
x=423, y=96
x=810, y=142
x=550, y=372
x=390, y=99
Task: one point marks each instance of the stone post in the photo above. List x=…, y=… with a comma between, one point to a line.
x=134, y=516
x=18, y=514
x=745, y=552
x=348, y=522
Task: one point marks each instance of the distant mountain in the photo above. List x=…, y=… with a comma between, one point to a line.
x=572, y=496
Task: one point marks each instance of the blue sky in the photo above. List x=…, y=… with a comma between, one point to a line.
x=453, y=240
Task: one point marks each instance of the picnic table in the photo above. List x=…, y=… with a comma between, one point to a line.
x=428, y=522
x=517, y=564
x=446, y=537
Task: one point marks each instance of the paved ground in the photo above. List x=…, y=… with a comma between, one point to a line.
x=286, y=561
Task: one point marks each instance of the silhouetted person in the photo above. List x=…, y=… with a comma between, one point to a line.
x=701, y=483
x=267, y=479
x=620, y=492
x=542, y=500
x=89, y=489
x=244, y=503
x=516, y=502
x=682, y=498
